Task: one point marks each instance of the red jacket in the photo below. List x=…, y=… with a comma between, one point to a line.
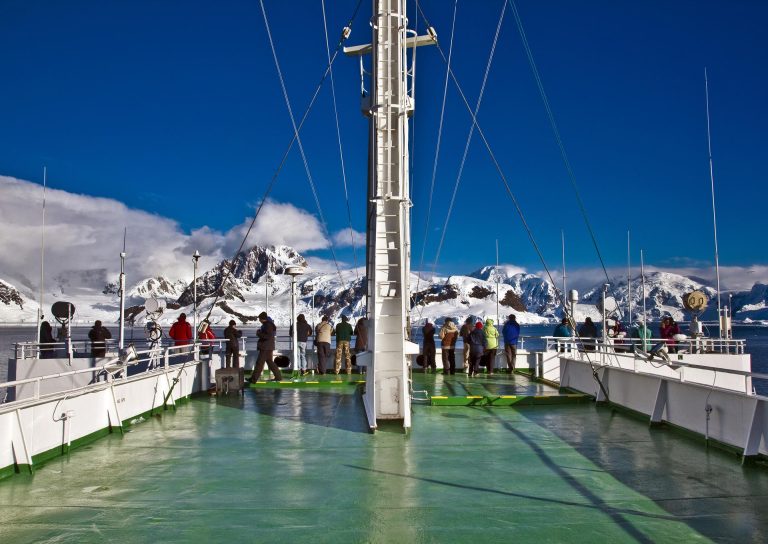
x=208, y=335
x=181, y=332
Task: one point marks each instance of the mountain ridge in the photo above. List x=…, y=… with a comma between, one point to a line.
x=244, y=294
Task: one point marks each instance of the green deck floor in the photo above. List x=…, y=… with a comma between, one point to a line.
x=298, y=465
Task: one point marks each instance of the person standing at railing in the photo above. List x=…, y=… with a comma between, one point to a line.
x=343, y=339
x=47, y=341
x=563, y=330
x=644, y=334
x=181, y=331
x=266, y=347
x=361, y=335
x=587, y=334
x=428, y=346
x=667, y=331
x=98, y=336
x=491, y=344
x=206, y=334
x=303, y=332
x=476, y=343
x=63, y=338
x=511, y=333
x=323, y=343
x=233, y=345
x=464, y=332
x=448, y=335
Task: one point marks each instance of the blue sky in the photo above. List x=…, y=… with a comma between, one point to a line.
x=175, y=108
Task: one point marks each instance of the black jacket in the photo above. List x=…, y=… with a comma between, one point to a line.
x=232, y=335
x=266, y=336
x=303, y=331
x=588, y=330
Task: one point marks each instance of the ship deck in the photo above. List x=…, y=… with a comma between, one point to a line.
x=295, y=464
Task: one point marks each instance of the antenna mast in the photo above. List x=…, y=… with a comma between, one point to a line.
x=121, y=343
x=42, y=257
x=714, y=213
x=497, y=282
x=642, y=279
x=565, y=293
x=629, y=285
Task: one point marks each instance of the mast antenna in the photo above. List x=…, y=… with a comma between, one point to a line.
x=121, y=341
x=42, y=257
x=714, y=212
x=629, y=285
x=565, y=293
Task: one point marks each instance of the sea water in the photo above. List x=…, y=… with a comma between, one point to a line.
x=755, y=336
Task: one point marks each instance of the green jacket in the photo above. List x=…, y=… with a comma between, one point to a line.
x=642, y=334
x=491, y=335
x=343, y=332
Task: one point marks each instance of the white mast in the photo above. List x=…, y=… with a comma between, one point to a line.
x=497, y=281
x=642, y=280
x=42, y=257
x=714, y=213
x=388, y=106
x=629, y=286
x=121, y=341
x=565, y=293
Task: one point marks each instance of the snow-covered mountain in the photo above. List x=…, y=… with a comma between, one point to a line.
x=14, y=306
x=244, y=294
x=753, y=304
x=248, y=269
x=158, y=287
x=663, y=295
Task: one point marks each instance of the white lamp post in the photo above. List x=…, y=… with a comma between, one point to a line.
x=294, y=271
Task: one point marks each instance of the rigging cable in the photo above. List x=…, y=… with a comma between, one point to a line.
x=231, y=264
x=341, y=151
x=437, y=146
x=515, y=202
x=556, y=132
x=469, y=136
x=301, y=146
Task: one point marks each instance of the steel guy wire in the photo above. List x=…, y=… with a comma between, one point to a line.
x=301, y=146
x=469, y=137
x=515, y=202
x=341, y=150
x=556, y=132
x=230, y=265
x=437, y=147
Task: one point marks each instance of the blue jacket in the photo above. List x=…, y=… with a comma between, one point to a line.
x=562, y=331
x=511, y=332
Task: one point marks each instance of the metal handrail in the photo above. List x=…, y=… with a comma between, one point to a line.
x=703, y=345
x=32, y=350
x=110, y=368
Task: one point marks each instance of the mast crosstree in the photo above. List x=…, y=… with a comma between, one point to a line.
x=388, y=106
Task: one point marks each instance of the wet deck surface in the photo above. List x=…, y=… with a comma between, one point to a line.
x=296, y=465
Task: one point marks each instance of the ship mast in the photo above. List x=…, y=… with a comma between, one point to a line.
x=388, y=106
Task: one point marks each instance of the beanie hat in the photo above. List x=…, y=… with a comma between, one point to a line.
x=263, y=315
x=479, y=325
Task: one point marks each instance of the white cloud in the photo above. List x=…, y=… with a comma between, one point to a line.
x=85, y=233
x=348, y=237
x=732, y=278
x=318, y=264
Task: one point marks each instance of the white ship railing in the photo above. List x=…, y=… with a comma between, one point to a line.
x=628, y=344
x=112, y=370
x=83, y=348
